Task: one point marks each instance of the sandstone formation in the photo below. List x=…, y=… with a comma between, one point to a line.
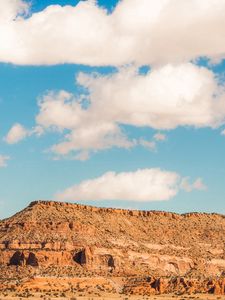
x=138, y=252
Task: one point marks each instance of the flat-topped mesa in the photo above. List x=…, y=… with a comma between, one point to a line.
x=58, y=239
x=122, y=211
x=90, y=208
x=49, y=233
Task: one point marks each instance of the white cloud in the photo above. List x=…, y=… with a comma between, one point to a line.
x=189, y=187
x=16, y=134
x=87, y=132
x=12, y=8
x=152, y=145
x=165, y=98
x=138, y=31
x=3, y=160
x=142, y=185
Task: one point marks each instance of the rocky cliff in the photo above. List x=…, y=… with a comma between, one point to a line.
x=153, y=251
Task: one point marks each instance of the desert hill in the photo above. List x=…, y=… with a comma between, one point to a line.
x=49, y=239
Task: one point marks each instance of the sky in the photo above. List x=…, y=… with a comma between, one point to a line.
x=113, y=103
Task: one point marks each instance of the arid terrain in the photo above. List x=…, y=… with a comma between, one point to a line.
x=53, y=250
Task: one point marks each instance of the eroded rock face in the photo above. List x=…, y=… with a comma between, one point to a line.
x=179, y=285
x=32, y=260
x=80, y=257
x=17, y=259
x=99, y=241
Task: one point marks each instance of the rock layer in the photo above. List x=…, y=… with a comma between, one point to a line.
x=88, y=241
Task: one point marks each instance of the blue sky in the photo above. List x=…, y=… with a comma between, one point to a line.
x=191, y=148
x=40, y=5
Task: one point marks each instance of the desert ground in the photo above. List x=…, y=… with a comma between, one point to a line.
x=113, y=297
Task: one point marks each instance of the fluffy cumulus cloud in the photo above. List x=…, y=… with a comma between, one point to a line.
x=173, y=93
x=3, y=160
x=142, y=185
x=87, y=132
x=137, y=31
x=163, y=99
